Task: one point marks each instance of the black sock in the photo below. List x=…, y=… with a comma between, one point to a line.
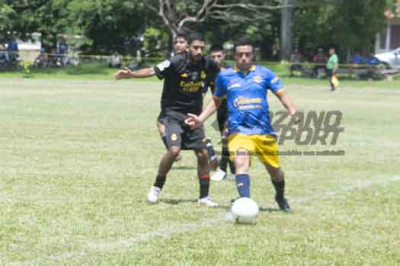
x=204, y=182
x=160, y=181
x=232, y=167
x=164, y=139
x=210, y=150
x=279, y=188
x=224, y=159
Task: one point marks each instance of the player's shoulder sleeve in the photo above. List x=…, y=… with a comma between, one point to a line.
x=167, y=67
x=162, y=69
x=272, y=81
x=221, y=88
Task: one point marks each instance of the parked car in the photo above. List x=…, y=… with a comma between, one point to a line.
x=390, y=59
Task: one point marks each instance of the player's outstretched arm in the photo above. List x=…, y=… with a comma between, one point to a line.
x=287, y=102
x=195, y=121
x=127, y=73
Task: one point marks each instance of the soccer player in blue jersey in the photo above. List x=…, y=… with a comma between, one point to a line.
x=249, y=127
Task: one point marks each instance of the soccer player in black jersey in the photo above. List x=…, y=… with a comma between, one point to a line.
x=184, y=76
x=180, y=46
x=218, y=55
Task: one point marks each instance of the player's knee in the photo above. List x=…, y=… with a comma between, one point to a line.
x=276, y=174
x=174, y=151
x=242, y=164
x=202, y=154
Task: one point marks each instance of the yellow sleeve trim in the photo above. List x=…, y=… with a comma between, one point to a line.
x=219, y=98
x=280, y=92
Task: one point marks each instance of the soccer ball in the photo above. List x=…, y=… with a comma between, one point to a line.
x=245, y=211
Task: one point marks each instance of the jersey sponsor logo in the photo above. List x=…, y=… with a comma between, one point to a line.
x=191, y=86
x=194, y=76
x=234, y=85
x=242, y=103
x=275, y=80
x=257, y=79
x=163, y=65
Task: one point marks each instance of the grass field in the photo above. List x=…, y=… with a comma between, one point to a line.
x=78, y=158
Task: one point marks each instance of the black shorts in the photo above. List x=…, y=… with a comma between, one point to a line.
x=161, y=117
x=181, y=135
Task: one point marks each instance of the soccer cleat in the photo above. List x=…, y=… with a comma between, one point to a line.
x=218, y=176
x=154, y=193
x=206, y=201
x=283, y=204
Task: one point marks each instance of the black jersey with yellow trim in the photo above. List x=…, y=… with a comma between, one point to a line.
x=183, y=82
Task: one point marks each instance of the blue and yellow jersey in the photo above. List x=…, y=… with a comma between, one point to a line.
x=246, y=95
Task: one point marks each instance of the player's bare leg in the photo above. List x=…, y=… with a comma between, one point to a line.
x=161, y=131
x=165, y=166
x=278, y=180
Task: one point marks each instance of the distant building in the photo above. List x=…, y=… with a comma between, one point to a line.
x=389, y=39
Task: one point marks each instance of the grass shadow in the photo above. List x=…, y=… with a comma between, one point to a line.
x=177, y=201
x=184, y=167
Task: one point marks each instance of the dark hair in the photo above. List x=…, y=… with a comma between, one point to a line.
x=216, y=47
x=181, y=35
x=245, y=40
x=195, y=36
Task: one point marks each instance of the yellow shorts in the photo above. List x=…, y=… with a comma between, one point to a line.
x=264, y=146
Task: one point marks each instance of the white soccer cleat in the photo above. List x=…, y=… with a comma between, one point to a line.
x=206, y=201
x=218, y=176
x=154, y=193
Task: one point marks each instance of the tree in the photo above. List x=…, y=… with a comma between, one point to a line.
x=179, y=14
x=6, y=11
x=110, y=24
x=350, y=24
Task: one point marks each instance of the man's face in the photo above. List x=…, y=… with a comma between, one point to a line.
x=180, y=45
x=196, y=50
x=244, y=57
x=331, y=51
x=218, y=56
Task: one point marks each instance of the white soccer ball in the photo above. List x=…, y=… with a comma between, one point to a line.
x=245, y=211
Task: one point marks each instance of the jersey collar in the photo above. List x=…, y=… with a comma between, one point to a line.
x=252, y=68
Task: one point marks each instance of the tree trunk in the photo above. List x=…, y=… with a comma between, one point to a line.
x=286, y=30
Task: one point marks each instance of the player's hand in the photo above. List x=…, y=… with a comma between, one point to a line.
x=193, y=121
x=123, y=74
x=295, y=117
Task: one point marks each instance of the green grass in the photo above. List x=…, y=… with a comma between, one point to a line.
x=78, y=158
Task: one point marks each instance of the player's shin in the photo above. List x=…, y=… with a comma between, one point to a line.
x=160, y=181
x=243, y=185
x=279, y=188
x=204, y=184
x=224, y=158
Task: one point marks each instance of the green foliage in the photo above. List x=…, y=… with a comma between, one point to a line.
x=351, y=25
x=155, y=42
x=117, y=24
x=6, y=11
